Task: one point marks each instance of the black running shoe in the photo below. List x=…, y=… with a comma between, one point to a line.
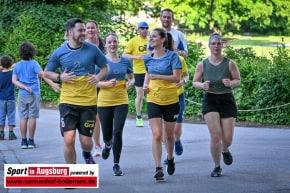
x=159, y=175
x=217, y=172
x=89, y=160
x=117, y=170
x=228, y=158
x=106, y=153
x=170, y=166
x=12, y=135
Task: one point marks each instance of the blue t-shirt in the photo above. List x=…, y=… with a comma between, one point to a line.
x=164, y=65
x=119, y=70
x=6, y=86
x=162, y=92
x=116, y=95
x=27, y=73
x=81, y=61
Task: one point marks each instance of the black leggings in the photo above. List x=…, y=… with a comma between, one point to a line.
x=112, y=122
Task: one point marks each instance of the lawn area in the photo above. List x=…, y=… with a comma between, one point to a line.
x=262, y=45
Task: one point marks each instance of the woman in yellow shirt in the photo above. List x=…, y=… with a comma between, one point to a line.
x=163, y=71
x=113, y=110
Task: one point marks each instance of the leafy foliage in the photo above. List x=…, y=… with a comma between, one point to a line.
x=44, y=25
x=263, y=96
x=264, y=93
x=256, y=16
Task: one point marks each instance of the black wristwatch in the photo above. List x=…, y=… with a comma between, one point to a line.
x=58, y=78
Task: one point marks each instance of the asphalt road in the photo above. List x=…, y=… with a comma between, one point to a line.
x=261, y=160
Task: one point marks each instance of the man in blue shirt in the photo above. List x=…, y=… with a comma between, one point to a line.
x=76, y=60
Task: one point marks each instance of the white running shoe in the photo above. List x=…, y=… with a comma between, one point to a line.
x=97, y=151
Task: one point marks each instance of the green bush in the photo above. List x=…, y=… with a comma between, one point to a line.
x=193, y=96
x=264, y=93
x=44, y=26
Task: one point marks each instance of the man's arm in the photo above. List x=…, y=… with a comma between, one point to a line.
x=51, y=83
x=51, y=75
x=184, y=51
x=63, y=77
x=133, y=57
x=103, y=72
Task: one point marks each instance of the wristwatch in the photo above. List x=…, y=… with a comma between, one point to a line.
x=58, y=78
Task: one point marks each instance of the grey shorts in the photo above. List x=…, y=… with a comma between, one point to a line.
x=28, y=106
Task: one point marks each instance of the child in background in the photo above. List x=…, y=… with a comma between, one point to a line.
x=26, y=74
x=7, y=98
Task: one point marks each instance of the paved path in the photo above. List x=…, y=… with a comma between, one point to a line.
x=261, y=161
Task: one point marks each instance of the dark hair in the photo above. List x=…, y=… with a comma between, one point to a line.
x=110, y=34
x=27, y=51
x=93, y=21
x=101, y=43
x=6, y=61
x=163, y=34
x=167, y=10
x=170, y=43
x=71, y=23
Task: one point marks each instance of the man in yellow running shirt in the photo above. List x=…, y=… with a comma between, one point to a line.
x=135, y=50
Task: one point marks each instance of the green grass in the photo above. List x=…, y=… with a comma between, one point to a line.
x=262, y=45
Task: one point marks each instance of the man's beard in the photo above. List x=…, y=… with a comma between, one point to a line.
x=166, y=25
x=79, y=41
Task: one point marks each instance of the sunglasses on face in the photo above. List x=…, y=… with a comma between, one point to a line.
x=144, y=28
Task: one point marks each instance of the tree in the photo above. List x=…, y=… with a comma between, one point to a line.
x=230, y=15
x=43, y=24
